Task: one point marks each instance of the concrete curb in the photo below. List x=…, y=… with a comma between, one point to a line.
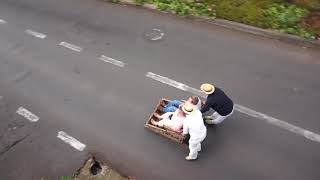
x=272, y=34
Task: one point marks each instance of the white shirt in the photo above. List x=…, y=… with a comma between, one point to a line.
x=194, y=125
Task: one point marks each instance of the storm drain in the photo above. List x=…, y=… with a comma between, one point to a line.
x=154, y=35
x=94, y=169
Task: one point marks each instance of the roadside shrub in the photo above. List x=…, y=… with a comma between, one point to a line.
x=184, y=8
x=289, y=16
x=243, y=11
x=140, y=2
x=308, y=4
x=286, y=19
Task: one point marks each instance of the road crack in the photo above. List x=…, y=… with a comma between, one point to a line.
x=11, y=145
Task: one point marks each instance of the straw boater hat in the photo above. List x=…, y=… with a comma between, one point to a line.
x=188, y=108
x=207, y=88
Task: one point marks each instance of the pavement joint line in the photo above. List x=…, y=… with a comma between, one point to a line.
x=27, y=114
x=35, y=34
x=242, y=109
x=71, y=141
x=2, y=21
x=112, y=61
x=71, y=46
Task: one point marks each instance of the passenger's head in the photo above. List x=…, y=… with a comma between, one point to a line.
x=193, y=100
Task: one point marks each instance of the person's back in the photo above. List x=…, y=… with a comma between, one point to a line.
x=195, y=124
x=220, y=102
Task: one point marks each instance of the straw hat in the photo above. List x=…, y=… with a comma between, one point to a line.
x=207, y=88
x=188, y=108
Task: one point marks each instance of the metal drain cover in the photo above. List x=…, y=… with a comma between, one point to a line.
x=155, y=34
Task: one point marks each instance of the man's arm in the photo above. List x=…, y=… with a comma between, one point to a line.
x=206, y=107
x=185, y=130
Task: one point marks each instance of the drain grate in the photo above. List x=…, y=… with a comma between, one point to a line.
x=95, y=168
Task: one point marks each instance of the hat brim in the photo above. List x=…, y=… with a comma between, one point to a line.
x=207, y=92
x=187, y=112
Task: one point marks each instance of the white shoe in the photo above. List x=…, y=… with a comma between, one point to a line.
x=209, y=121
x=188, y=158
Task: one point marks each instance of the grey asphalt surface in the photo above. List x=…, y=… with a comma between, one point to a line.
x=105, y=106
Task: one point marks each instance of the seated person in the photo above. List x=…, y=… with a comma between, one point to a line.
x=171, y=120
x=195, y=100
x=173, y=105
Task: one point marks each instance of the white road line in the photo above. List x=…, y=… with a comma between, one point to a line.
x=27, y=114
x=2, y=21
x=71, y=141
x=271, y=120
x=112, y=61
x=71, y=46
x=35, y=34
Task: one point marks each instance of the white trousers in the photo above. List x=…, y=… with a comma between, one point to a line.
x=195, y=146
x=216, y=118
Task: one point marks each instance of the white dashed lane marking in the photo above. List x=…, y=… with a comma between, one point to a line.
x=261, y=116
x=71, y=141
x=71, y=46
x=2, y=21
x=35, y=34
x=27, y=114
x=112, y=61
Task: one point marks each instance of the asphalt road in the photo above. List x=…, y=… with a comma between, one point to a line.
x=105, y=105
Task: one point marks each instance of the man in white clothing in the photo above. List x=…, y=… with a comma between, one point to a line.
x=194, y=126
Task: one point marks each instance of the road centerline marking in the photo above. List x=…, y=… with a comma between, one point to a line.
x=250, y=112
x=35, y=34
x=71, y=141
x=2, y=21
x=27, y=114
x=71, y=46
x=112, y=61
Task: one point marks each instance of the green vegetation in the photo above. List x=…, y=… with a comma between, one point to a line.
x=181, y=8
x=287, y=19
x=287, y=16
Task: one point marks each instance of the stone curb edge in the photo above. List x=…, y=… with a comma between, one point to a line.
x=272, y=34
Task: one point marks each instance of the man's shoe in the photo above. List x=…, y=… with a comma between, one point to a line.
x=188, y=158
x=209, y=121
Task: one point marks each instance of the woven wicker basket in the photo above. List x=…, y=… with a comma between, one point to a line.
x=172, y=135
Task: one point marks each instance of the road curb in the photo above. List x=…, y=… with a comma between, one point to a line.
x=272, y=34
